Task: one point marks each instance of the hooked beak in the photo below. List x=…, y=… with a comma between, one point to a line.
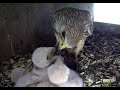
x=62, y=44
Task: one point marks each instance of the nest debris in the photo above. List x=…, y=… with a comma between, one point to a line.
x=98, y=62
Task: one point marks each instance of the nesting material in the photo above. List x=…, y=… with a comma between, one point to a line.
x=99, y=60
x=62, y=76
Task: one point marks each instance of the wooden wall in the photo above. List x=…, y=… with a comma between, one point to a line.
x=25, y=26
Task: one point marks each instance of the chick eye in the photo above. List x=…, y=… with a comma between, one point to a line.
x=47, y=58
x=63, y=34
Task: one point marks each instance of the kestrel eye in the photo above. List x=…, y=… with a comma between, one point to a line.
x=62, y=44
x=63, y=34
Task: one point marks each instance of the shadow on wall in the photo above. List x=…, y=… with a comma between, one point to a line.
x=23, y=27
x=113, y=28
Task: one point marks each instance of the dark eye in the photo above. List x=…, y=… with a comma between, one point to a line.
x=47, y=58
x=63, y=34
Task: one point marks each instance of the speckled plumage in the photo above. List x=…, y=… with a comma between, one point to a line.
x=73, y=26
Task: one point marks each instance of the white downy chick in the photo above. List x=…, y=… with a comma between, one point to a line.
x=62, y=76
x=24, y=80
x=17, y=73
x=32, y=78
x=46, y=84
x=41, y=56
x=74, y=80
x=41, y=59
x=58, y=72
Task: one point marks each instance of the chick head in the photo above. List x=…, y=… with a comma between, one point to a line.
x=42, y=55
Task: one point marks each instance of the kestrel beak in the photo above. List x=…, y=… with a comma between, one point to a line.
x=61, y=42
